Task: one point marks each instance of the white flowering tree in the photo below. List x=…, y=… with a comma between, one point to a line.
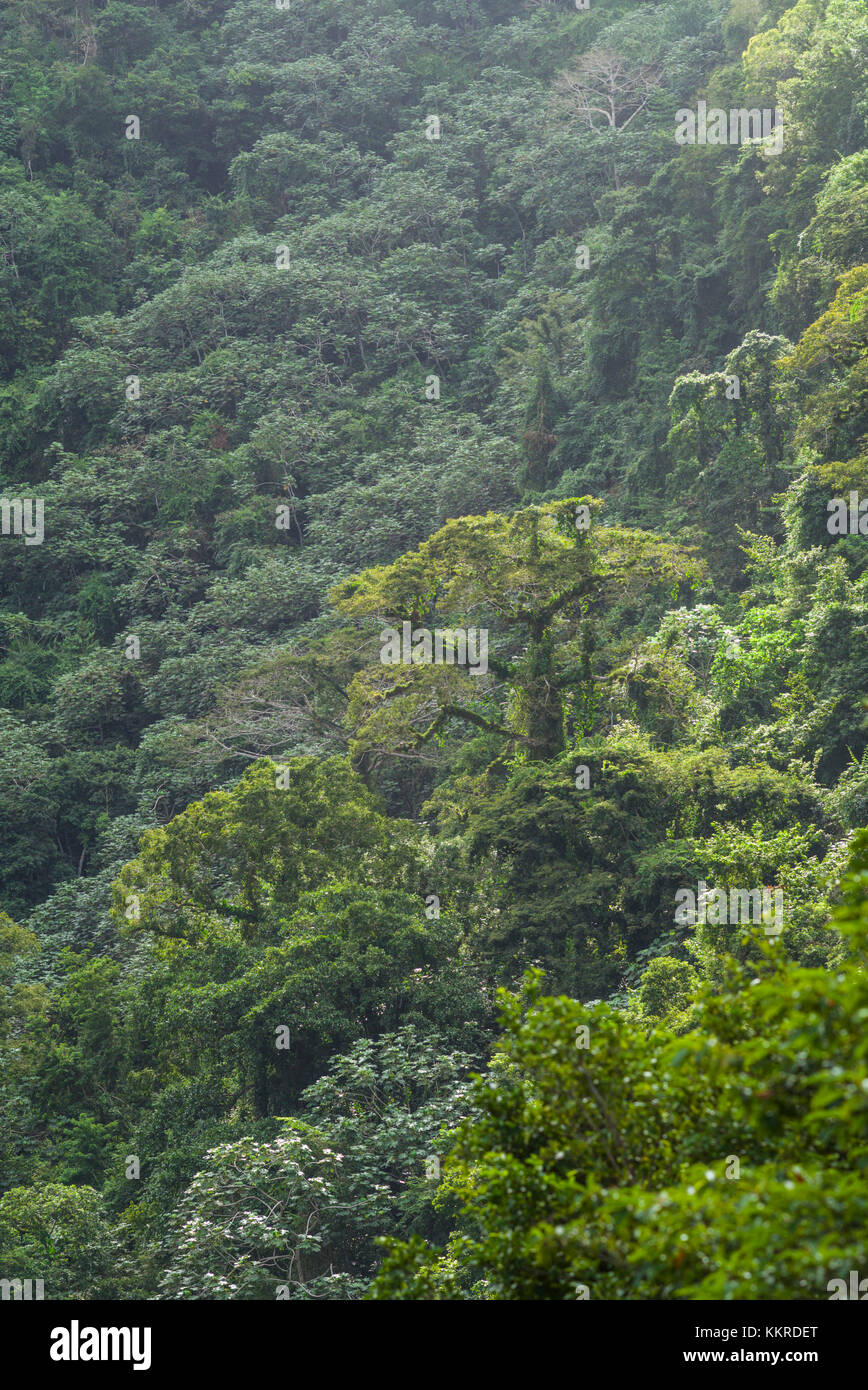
x=251, y=1223
x=298, y=1216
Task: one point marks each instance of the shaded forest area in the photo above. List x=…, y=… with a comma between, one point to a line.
x=328, y=978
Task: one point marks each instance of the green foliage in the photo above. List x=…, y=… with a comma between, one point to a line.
x=58, y=1234
x=297, y=1218
x=293, y=367
x=545, y=577
x=647, y=1166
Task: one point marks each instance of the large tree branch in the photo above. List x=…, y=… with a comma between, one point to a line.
x=459, y=712
x=543, y=616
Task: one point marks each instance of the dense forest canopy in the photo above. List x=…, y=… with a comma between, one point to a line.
x=434, y=550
